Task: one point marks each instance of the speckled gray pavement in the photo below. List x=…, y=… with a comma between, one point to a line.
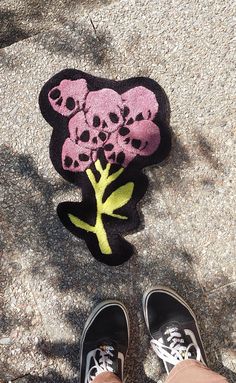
x=50, y=282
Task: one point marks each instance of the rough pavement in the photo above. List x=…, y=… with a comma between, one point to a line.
x=50, y=282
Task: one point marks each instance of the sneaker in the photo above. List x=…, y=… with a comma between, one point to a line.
x=173, y=327
x=104, y=341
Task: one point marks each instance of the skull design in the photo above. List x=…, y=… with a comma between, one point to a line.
x=74, y=157
x=104, y=110
x=114, y=153
x=121, y=125
x=68, y=96
x=141, y=137
x=81, y=134
x=139, y=104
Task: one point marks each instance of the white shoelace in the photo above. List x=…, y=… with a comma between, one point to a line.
x=177, y=351
x=102, y=364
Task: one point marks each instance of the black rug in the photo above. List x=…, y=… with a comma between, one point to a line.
x=104, y=133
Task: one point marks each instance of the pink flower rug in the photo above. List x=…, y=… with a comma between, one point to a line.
x=104, y=133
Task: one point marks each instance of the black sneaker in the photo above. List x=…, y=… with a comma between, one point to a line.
x=104, y=341
x=173, y=327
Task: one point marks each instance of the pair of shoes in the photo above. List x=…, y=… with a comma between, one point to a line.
x=170, y=321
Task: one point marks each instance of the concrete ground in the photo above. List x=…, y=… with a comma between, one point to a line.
x=50, y=282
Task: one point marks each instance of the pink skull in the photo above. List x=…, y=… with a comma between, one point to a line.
x=68, y=96
x=74, y=157
x=81, y=134
x=104, y=110
x=139, y=104
x=114, y=153
x=141, y=137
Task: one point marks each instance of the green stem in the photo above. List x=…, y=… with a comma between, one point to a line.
x=102, y=236
x=99, y=189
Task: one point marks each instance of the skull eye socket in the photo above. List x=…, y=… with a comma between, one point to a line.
x=120, y=158
x=70, y=103
x=96, y=121
x=55, y=93
x=68, y=161
x=102, y=136
x=126, y=111
x=83, y=157
x=130, y=121
x=113, y=117
x=124, y=131
x=136, y=143
x=85, y=136
x=139, y=117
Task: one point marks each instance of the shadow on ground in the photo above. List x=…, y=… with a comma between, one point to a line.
x=29, y=221
x=31, y=17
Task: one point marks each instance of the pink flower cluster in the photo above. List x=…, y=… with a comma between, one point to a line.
x=120, y=124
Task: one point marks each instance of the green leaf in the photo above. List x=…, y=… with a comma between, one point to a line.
x=81, y=224
x=118, y=198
